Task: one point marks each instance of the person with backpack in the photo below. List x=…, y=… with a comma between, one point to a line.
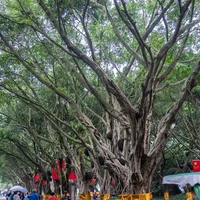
x=34, y=196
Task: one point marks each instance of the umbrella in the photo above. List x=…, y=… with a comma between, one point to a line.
x=5, y=192
x=183, y=179
x=18, y=188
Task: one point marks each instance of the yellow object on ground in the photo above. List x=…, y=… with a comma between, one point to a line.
x=166, y=195
x=84, y=196
x=104, y=196
x=145, y=196
x=58, y=196
x=123, y=196
x=189, y=196
x=46, y=196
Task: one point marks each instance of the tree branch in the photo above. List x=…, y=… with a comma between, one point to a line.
x=168, y=119
x=176, y=33
x=133, y=29
x=108, y=83
x=124, y=43
x=140, y=39
x=87, y=32
x=174, y=62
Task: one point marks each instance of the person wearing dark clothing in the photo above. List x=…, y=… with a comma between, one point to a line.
x=95, y=195
x=11, y=196
x=8, y=196
x=66, y=196
x=21, y=196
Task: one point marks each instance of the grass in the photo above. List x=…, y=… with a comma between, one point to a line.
x=172, y=197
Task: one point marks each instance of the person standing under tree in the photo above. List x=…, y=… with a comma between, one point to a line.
x=34, y=196
x=16, y=196
x=66, y=196
x=95, y=195
x=52, y=197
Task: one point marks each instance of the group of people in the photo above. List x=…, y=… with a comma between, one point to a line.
x=17, y=195
x=32, y=196
x=66, y=196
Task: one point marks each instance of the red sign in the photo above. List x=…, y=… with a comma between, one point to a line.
x=93, y=180
x=44, y=182
x=53, y=171
x=36, y=177
x=54, y=174
x=196, y=165
x=72, y=176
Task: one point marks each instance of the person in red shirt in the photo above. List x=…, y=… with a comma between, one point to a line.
x=52, y=197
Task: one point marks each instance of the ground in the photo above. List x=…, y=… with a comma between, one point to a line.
x=172, y=197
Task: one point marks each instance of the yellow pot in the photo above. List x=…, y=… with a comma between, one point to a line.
x=46, y=196
x=145, y=196
x=189, y=196
x=166, y=195
x=84, y=196
x=104, y=196
x=58, y=196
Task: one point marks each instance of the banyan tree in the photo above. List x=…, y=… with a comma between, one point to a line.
x=123, y=70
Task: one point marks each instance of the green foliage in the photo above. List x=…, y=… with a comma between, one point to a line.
x=59, y=73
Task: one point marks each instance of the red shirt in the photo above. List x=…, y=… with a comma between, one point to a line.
x=52, y=198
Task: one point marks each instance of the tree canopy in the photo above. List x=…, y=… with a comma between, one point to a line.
x=114, y=79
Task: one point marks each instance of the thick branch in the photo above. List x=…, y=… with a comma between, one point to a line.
x=108, y=83
x=168, y=119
